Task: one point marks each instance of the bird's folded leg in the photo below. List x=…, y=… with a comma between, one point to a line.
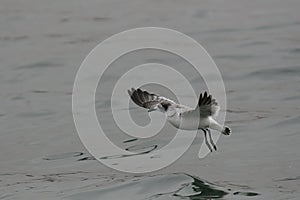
x=206, y=141
x=211, y=140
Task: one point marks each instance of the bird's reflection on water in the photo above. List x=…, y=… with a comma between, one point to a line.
x=167, y=186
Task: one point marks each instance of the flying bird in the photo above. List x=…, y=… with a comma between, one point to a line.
x=184, y=117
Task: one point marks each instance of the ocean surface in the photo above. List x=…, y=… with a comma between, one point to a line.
x=256, y=46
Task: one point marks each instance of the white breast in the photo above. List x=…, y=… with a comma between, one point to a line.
x=186, y=122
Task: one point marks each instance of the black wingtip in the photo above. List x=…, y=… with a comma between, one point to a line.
x=131, y=91
x=205, y=99
x=135, y=96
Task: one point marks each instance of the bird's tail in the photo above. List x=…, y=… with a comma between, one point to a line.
x=226, y=130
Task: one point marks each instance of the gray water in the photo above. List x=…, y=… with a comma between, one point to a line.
x=256, y=45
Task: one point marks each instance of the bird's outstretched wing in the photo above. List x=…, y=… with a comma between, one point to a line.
x=207, y=106
x=147, y=100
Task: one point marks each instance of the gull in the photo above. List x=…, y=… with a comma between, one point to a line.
x=181, y=116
